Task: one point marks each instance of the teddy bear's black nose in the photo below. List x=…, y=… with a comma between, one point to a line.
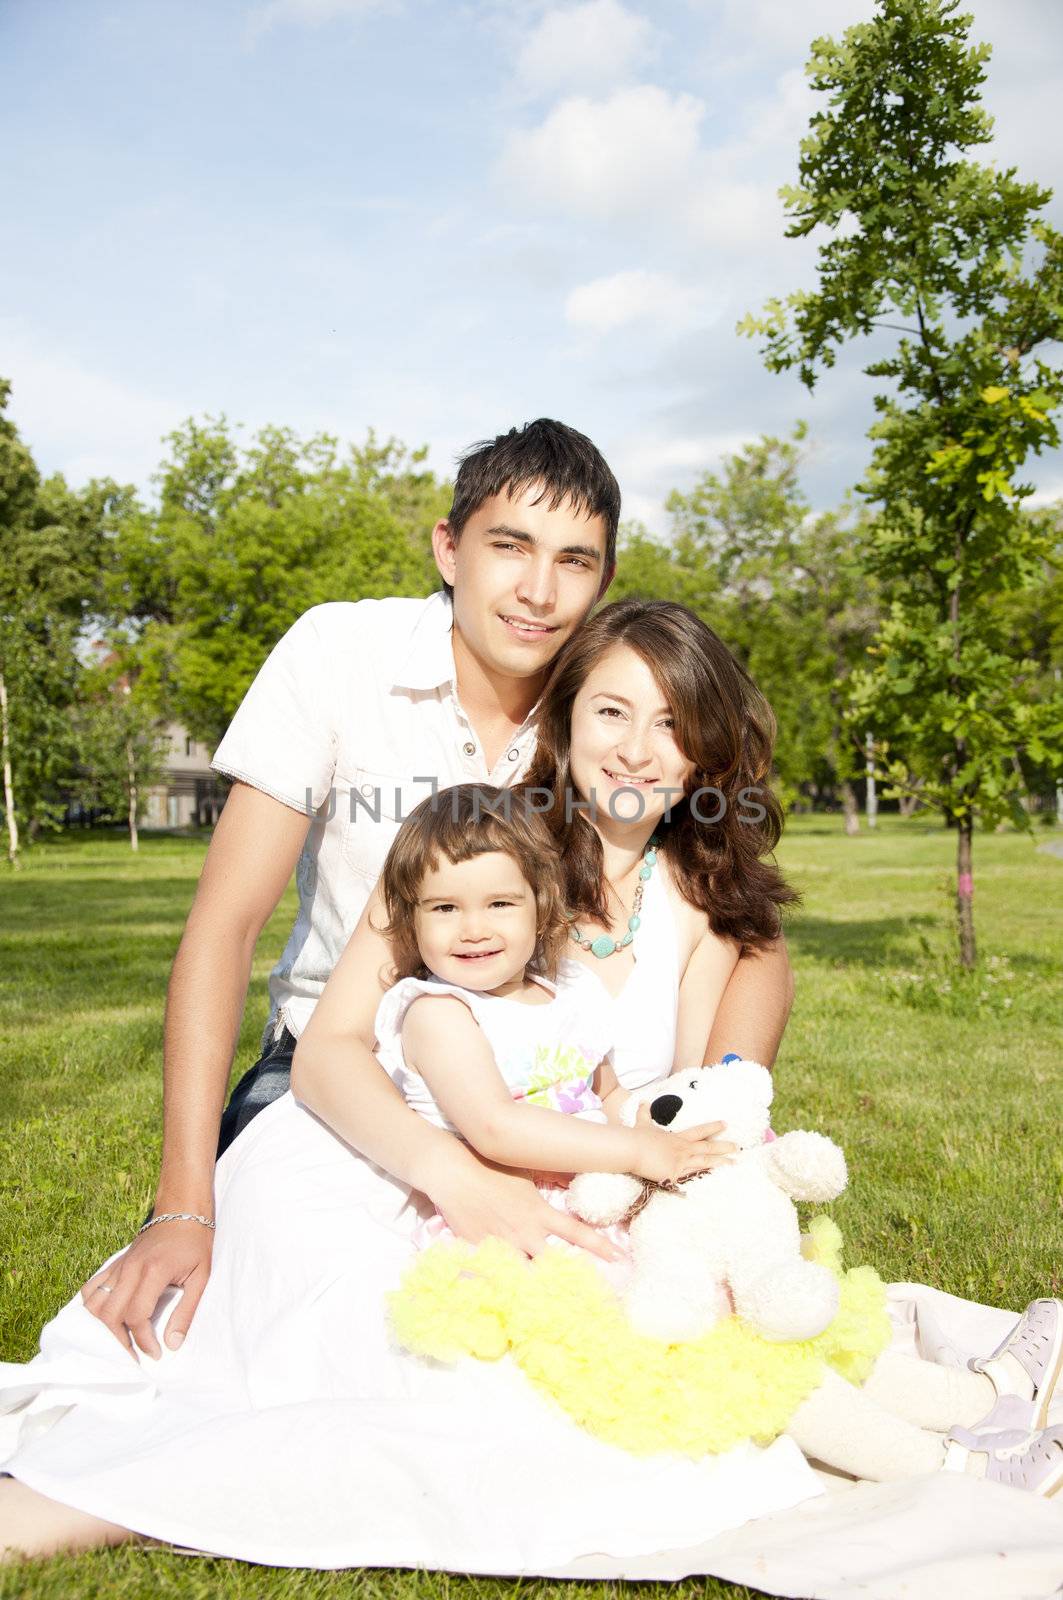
x=664, y=1108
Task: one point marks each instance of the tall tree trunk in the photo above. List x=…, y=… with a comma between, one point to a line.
x=965, y=891
x=872, y=791
x=850, y=808
x=134, y=837
x=1016, y=767
x=908, y=805
x=9, y=786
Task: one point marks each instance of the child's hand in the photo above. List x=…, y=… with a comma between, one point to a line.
x=666, y=1157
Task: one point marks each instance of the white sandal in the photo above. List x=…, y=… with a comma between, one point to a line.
x=1030, y=1461
x=1036, y=1345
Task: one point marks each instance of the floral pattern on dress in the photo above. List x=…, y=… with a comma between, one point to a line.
x=560, y=1077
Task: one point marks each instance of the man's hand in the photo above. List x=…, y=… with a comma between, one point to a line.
x=493, y=1201
x=124, y=1295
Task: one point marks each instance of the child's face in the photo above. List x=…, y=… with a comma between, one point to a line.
x=475, y=922
x=623, y=749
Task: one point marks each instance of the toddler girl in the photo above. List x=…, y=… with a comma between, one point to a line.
x=476, y=1031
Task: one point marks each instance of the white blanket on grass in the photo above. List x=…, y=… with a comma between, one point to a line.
x=944, y=1537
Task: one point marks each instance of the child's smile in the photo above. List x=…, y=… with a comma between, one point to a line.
x=476, y=922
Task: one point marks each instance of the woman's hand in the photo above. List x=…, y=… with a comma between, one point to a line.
x=124, y=1295
x=666, y=1158
x=479, y=1200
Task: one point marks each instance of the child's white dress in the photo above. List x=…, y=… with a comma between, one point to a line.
x=547, y=1054
x=288, y=1429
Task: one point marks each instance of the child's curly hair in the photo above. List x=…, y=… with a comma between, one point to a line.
x=472, y=819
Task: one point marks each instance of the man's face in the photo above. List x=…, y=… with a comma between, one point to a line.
x=524, y=578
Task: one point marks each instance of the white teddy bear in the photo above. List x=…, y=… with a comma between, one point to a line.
x=734, y=1228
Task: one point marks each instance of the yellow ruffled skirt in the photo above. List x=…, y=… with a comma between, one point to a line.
x=567, y=1331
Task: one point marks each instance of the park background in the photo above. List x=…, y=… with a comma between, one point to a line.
x=270, y=267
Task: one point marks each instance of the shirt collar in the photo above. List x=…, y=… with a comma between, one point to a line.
x=429, y=662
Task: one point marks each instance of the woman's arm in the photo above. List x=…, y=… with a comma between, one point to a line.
x=609, y=1091
x=336, y=1074
x=443, y=1043
x=706, y=979
x=755, y=1006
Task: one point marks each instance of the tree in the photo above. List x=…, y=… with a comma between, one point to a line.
x=785, y=588
x=950, y=254
x=244, y=540
x=18, y=490
x=119, y=743
x=1032, y=622
x=50, y=546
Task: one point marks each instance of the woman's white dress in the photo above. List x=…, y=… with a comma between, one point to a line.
x=288, y=1429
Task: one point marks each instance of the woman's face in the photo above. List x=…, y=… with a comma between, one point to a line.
x=624, y=755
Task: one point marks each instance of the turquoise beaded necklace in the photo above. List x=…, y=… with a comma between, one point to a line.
x=605, y=945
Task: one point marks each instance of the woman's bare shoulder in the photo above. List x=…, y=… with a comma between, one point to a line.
x=691, y=923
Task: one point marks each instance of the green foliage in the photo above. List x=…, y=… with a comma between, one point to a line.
x=120, y=748
x=951, y=255
x=50, y=551
x=245, y=539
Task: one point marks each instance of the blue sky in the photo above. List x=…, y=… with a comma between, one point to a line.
x=433, y=217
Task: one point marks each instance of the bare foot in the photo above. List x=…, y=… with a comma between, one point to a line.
x=33, y=1525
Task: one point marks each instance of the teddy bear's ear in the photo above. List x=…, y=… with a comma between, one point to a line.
x=755, y=1079
x=630, y=1108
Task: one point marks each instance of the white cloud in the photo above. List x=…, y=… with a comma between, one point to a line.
x=734, y=216
x=634, y=296
x=658, y=459
x=1050, y=495
x=643, y=153
x=650, y=467
x=583, y=47
x=606, y=158
x=82, y=423
x=785, y=28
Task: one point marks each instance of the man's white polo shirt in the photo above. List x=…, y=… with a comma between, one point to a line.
x=352, y=716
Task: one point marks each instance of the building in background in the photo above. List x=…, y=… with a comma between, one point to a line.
x=190, y=795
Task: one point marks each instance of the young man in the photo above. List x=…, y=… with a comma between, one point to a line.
x=360, y=708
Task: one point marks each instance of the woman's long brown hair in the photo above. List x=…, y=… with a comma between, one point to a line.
x=723, y=724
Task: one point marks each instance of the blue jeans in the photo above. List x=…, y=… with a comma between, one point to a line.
x=266, y=1081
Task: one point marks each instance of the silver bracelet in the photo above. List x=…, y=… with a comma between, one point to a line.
x=175, y=1216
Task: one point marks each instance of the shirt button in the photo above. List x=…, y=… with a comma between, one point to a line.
x=469, y=748
x=367, y=789
x=513, y=754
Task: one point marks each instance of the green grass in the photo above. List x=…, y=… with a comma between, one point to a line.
x=947, y=1096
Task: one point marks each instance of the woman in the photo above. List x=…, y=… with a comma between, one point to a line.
x=287, y=1429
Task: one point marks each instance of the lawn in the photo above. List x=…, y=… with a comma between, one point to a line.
x=946, y=1094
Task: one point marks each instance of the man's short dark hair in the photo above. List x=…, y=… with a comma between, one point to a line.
x=564, y=463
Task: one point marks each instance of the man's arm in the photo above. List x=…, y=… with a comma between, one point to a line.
x=251, y=857
x=756, y=1004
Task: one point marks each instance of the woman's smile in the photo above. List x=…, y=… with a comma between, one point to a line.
x=627, y=778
